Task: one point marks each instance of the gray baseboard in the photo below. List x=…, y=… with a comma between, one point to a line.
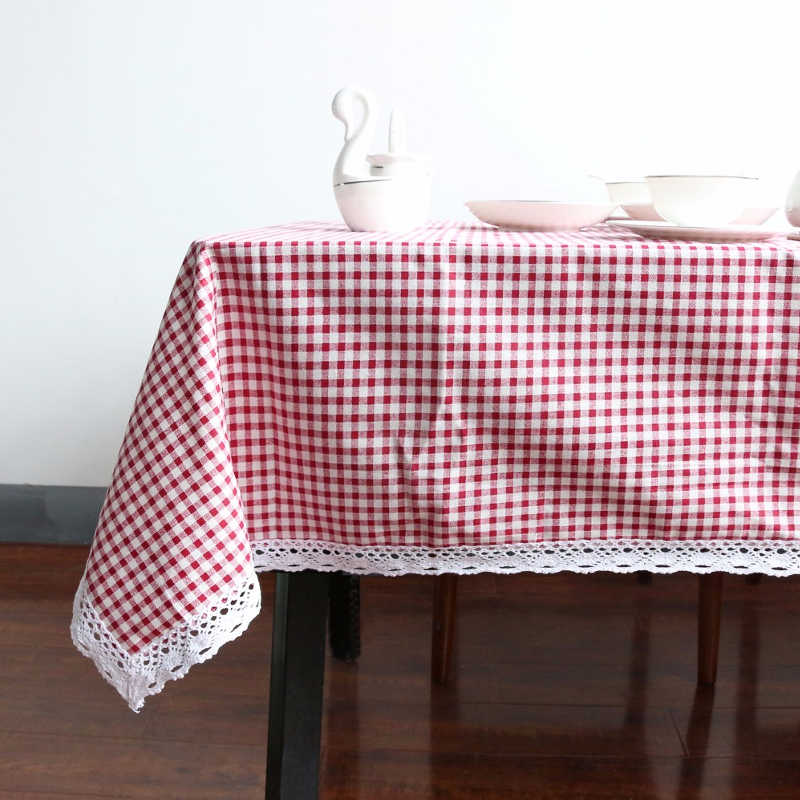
x=49, y=514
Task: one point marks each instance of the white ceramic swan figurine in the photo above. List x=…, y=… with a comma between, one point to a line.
x=381, y=191
x=352, y=162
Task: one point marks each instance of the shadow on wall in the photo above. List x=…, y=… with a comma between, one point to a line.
x=49, y=514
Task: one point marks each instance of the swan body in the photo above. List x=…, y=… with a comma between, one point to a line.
x=384, y=204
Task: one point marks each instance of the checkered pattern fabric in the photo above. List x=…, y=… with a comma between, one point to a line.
x=454, y=386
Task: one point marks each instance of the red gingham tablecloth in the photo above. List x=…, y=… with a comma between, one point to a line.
x=453, y=399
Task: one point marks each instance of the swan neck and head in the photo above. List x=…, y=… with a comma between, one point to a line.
x=352, y=162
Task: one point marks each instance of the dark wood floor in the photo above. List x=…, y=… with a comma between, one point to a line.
x=564, y=687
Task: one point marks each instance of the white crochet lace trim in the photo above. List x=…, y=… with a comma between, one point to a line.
x=137, y=676
x=618, y=555
x=168, y=658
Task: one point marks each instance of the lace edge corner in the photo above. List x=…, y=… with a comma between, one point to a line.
x=170, y=657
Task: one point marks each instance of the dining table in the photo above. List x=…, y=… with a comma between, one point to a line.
x=452, y=399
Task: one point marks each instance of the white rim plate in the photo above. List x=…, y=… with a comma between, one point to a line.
x=539, y=215
x=721, y=233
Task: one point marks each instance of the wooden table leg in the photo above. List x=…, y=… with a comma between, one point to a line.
x=444, y=624
x=295, y=693
x=345, y=616
x=708, y=615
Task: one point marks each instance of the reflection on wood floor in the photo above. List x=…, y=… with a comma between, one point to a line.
x=563, y=686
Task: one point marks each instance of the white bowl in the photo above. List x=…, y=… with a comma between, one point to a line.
x=702, y=200
x=645, y=211
x=632, y=192
x=539, y=215
x=633, y=197
x=754, y=216
x=389, y=204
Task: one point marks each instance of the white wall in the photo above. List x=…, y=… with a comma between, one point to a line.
x=130, y=128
